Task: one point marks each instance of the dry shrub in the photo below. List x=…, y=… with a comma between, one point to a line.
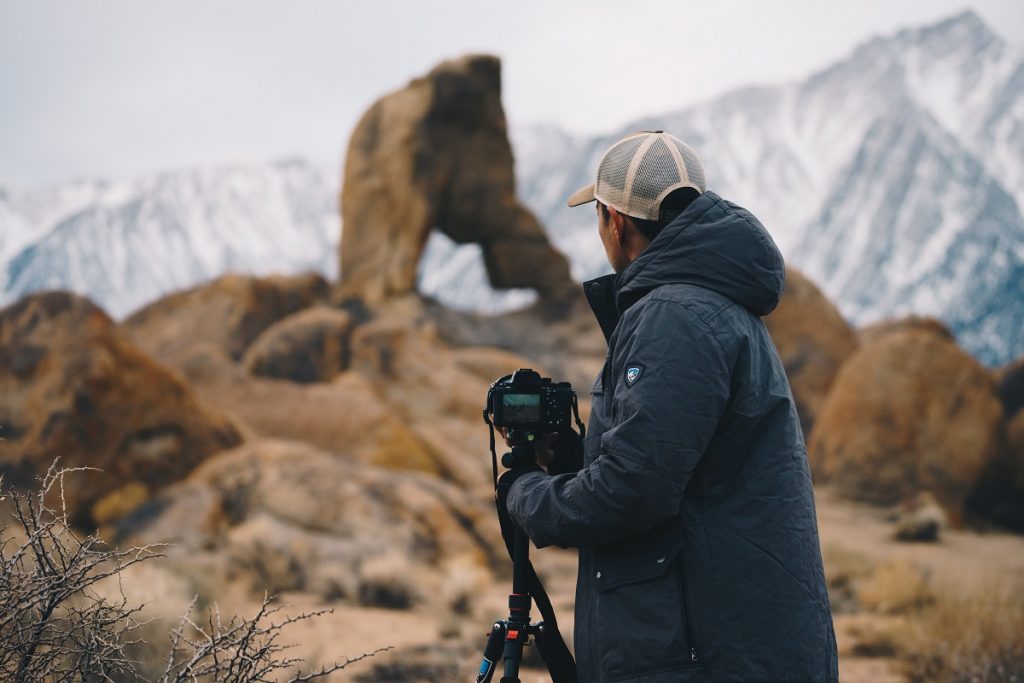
x=970, y=638
x=463, y=582
x=65, y=616
x=843, y=568
x=388, y=581
x=894, y=587
x=879, y=636
x=273, y=568
x=53, y=623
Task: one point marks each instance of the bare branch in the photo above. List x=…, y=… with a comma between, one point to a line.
x=55, y=626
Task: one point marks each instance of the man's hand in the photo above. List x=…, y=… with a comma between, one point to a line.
x=543, y=448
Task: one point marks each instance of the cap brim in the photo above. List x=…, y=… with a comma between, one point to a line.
x=582, y=196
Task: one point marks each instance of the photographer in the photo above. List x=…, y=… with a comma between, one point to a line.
x=693, y=511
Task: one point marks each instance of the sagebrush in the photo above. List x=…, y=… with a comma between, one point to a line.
x=54, y=625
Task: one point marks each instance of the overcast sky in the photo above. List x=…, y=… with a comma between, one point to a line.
x=112, y=88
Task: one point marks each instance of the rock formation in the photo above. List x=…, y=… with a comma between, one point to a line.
x=347, y=416
x=230, y=312
x=439, y=393
x=283, y=515
x=308, y=346
x=910, y=412
x=436, y=154
x=813, y=340
x=72, y=387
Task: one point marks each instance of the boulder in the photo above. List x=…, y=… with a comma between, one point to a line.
x=876, y=331
x=346, y=415
x=415, y=371
x=436, y=154
x=229, y=312
x=308, y=346
x=999, y=497
x=910, y=412
x=73, y=387
x=1010, y=380
x=562, y=337
x=813, y=340
x=439, y=392
x=1015, y=449
x=286, y=516
x=920, y=519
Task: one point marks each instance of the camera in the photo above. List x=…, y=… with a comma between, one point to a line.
x=525, y=400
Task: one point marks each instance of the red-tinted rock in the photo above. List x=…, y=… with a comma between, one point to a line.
x=813, y=340
x=73, y=387
x=908, y=413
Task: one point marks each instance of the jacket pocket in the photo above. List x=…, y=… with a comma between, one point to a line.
x=686, y=604
x=641, y=624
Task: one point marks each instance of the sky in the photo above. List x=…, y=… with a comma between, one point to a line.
x=116, y=88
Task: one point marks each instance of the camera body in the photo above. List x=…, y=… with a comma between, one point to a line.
x=525, y=400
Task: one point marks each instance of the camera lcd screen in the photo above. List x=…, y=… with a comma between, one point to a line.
x=523, y=408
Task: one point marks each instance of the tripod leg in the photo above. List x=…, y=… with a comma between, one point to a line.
x=495, y=645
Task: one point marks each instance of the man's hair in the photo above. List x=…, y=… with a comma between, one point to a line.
x=671, y=206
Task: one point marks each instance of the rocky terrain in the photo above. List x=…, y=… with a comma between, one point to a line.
x=322, y=440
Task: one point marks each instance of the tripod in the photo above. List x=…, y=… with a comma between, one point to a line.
x=507, y=638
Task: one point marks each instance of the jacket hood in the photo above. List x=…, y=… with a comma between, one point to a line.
x=713, y=244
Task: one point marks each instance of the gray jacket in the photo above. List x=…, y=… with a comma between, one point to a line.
x=694, y=512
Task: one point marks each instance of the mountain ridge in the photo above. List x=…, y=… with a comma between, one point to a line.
x=804, y=156
x=785, y=152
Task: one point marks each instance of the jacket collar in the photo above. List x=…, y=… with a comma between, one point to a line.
x=600, y=294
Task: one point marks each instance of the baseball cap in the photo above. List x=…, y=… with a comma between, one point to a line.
x=639, y=171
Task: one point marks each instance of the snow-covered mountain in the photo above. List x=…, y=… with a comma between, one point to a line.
x=126, y=243
x=894, y=178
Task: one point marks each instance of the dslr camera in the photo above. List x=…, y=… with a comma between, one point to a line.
x=525, y=400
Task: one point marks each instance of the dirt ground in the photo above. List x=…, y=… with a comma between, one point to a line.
x=851, y=533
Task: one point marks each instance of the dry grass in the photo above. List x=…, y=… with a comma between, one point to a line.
x=878, y=635
x=970, y=638
x=895, y=587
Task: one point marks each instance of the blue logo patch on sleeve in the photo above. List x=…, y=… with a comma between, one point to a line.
x=633, y=373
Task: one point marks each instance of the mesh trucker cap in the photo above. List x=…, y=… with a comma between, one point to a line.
x=639, y=171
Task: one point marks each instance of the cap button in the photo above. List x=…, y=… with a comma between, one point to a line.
x=595, y=286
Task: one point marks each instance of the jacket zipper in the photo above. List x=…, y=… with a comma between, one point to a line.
x=688, y=625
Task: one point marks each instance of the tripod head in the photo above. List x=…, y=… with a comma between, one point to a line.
x=522, y=455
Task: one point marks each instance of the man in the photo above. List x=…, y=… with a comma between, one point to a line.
x=693, y=512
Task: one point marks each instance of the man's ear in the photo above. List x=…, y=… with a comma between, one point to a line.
x=617, y=222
